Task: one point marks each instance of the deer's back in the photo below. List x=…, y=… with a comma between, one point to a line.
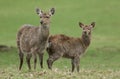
x=68, y=46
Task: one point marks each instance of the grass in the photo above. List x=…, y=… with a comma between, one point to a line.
x=102, y=58
x=93, y=65
x=58, y=74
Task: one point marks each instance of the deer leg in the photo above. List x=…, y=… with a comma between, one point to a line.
x=51, y=59
x=49, y=62
x=77, y=63
x=73, y=62
x=28, y=57
x=41, y=59
x=35, y=60
x=21, y=55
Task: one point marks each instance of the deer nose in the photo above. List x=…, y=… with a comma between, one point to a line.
x=85, y=32
x=41, y=22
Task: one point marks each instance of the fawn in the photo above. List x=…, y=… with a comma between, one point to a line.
x=69, y=47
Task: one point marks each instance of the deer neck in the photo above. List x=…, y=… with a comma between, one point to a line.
x=44, y=32
x=86, y=40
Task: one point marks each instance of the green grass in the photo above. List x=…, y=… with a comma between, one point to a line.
x=96, y=64
x=102, y=58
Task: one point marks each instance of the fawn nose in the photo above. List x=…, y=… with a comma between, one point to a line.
x=41, y=22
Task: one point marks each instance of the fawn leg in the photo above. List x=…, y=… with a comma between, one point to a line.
x=77, y=63
x=49, y=63
x=51, y=59
x=73, y=62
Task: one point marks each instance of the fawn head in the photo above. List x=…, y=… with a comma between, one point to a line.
x=87, y=28
x=45, y=16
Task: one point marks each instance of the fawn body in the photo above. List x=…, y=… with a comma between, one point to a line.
x=69, y=47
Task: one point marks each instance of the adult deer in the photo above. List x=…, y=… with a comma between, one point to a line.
x=32, y=40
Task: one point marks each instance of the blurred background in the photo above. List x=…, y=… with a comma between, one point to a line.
x=13, y=14
x=104, y=51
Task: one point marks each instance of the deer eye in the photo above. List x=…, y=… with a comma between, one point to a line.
x=83, y=28
x=40, y=16
x=47, y=17
x=89, y=29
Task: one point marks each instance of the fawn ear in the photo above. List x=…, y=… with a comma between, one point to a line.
x=52, y=11
x=38, y=11
x=93, y=24
x=81, y=24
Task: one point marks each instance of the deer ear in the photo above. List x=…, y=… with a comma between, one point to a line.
x=81, y=24
x=52, y=11
x=93, y=24
x=38, y=11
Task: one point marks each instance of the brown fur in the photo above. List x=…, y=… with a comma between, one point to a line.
x=32, y=40
x=69, y=47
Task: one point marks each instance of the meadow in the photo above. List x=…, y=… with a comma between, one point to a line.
x=102, y=59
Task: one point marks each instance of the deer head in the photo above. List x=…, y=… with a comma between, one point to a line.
x=45, y=17
x=87, y=28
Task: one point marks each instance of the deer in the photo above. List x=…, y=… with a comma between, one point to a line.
x=61, y=45
x=32, y=40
